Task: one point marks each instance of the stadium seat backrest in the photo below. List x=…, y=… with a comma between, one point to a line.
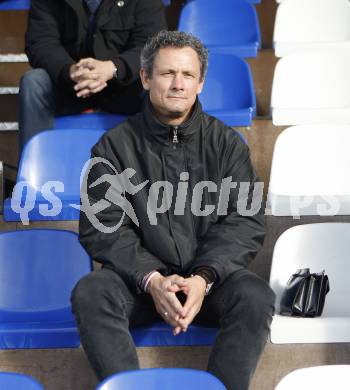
x=249, y=1
x=326, y=377
x=15, y=381
x=14, y=5
x=321, y=246
x=309, y=170
x=57, y=155
x=312, y=81
x=228, y=85
x=230, y=23
x=38, y=270
x=311, y=25
x=89, y=121
x=162, y=378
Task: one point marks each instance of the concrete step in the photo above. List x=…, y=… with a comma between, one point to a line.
x=13, y=57
x=11, y=73
x=263, y=67
x=9, y=148
x=8, y=126
x=9, y=90
x=266, y=11
x=13, y=25
x=8, y=108
x=261, y=138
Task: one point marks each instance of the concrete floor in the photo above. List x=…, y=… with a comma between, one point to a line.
x=68, y=369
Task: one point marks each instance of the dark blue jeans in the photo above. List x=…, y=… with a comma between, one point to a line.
x=242, y=309
x=40, y=101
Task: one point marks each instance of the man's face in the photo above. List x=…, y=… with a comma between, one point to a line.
x=175, y=83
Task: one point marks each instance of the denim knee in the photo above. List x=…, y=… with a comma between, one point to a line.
x=35, y=82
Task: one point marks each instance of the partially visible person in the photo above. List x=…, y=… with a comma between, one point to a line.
x=85, y=54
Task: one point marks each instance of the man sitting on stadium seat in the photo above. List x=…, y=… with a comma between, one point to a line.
x=86, y=55
x=174, y=236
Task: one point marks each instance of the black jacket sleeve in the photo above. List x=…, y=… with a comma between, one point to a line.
x=120, y=249
x=232, y=243
x=43, y=44
x=149, y=20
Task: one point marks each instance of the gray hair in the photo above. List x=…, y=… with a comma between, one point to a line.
x=176, y=39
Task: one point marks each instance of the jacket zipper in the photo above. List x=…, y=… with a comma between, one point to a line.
x=175, y=142
x=175, y=136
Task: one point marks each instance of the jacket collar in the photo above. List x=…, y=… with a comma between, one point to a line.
x=164, y=133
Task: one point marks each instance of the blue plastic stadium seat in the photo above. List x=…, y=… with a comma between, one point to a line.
x=89, y=121
x=162, y=379
x=160, y=334
x=228, y=92
x=228, y=27
x=14, y=4
x=15, y=381
x=248, y=1
x=38, y=270
x=54, y=155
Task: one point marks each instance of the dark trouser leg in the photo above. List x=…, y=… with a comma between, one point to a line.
x=36, y=104
x=104, y=309
x=39, y=102
x=244, y=306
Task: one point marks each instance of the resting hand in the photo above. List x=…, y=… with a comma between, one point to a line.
x=166, y=302
x=194, y=287
x=91, y=76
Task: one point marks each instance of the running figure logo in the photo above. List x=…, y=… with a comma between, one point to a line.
x=120, y=184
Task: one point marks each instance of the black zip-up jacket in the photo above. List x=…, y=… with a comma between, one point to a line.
x=57, y=32
x=209, y=151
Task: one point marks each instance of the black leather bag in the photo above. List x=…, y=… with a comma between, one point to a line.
x=305, y=294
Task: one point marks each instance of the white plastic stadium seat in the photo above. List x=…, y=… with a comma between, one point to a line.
x=312, y=25
x=321, y=246
x=310, y=88
x=310, y=171
x=336, y=377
